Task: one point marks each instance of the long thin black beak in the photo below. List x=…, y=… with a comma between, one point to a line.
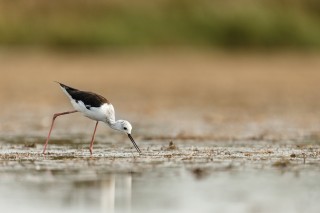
x=134, y=143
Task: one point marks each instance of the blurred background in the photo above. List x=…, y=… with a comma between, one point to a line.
x=116, y=24
x=221, y=70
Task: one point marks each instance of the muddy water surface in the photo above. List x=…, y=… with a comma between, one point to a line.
x=242, y=176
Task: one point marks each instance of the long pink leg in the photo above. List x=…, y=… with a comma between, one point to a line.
x=94, y=132
x=53, y=119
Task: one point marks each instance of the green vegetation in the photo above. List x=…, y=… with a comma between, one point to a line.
x=114, y=24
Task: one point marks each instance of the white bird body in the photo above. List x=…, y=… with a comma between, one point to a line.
x=104, y=113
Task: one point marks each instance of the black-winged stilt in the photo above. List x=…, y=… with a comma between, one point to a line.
x=95, y=107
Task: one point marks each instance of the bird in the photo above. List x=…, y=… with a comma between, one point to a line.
x=95, y=107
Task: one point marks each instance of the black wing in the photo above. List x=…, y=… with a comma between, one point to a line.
x=89, y=99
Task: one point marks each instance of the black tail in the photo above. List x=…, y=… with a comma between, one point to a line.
x=67, y=88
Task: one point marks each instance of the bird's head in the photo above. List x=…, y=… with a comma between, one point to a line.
x=123, y=126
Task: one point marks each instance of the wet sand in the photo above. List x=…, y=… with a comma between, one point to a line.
x=244, y=130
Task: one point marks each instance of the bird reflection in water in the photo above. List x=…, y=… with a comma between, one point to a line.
x=110, y=194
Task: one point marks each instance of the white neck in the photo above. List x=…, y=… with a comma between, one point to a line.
x=116, y=125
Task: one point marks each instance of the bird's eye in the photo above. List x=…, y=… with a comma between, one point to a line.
x=125, y=128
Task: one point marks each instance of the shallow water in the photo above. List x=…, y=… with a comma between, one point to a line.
x=173, y=190
x=242, y=176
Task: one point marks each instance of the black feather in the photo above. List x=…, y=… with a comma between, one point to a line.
x=89, y=99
